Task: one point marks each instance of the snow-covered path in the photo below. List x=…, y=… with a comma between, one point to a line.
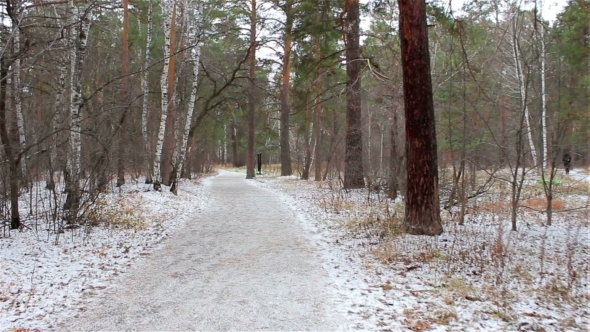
x=244, y=263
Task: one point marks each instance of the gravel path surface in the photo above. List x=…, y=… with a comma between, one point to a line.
x=245, y=263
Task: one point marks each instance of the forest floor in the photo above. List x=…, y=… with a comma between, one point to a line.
x=474, y=277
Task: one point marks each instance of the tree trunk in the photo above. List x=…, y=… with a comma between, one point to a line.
x=169, y=137
x=195, y=36
x=317, y=159
x=393, y=160
x=353, y=165
x=77, y=56
x=252, y=95
x=523, y=92
x=20, y=123
x=157, y=175
x=422, y=215
x=544, y=100
x=124, y=96
x=57, y=106
x=8, y=147
x=307, y=143
x=285, y=93
x=145, y=97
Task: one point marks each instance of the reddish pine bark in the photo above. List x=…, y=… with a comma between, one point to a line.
x=422, y=201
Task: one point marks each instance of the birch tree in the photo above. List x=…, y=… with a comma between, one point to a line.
x=18, y=109
x=522, y=83
x=79, y=41
x=252, y=95
x=145, y=94
x=194, y=39
x=157, y=174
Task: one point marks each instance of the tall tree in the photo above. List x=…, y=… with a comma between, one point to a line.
x=353, y=167
x=157, y=174
x=145, y=98
x=169, y=136
x=79, y=42
x=194, y=38
x=286, y=89
x=422, y=215
x=252, y=95
x=124, y=95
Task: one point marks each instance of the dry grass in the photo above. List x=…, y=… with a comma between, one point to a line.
x=481, y=261
x=540, y=203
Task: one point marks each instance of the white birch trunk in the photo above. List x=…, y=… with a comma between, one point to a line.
x=523, y=94
x=76, y=102
x=71, y=164
x=57, y=106
x=78, y=44
x=145, y=91
x=157, y=175
x=195, y=41
x=20, y=123
x=544, y=100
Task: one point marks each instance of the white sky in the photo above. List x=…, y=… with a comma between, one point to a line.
x=550, y=8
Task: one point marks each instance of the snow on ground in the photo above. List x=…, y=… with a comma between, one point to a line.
x=46, y=277
x=475, y=277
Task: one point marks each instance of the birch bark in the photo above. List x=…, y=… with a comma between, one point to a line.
x=20, y=123
x=544, y=100
x=56, y=114
x=523, y=91
x=195, y=32
x=145, y=97
x=252, y=98
x=79, y=39
x=157, y=175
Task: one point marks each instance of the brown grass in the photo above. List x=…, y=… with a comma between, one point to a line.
x=540, y=203
x=495, y=207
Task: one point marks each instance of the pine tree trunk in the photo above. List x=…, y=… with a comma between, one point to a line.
x=252, y=95
x=422, y=215
x=145, y=97
x=285, y=93
x=353, y=165
x=124, y=96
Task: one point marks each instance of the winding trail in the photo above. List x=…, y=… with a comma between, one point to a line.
x=245, y=263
